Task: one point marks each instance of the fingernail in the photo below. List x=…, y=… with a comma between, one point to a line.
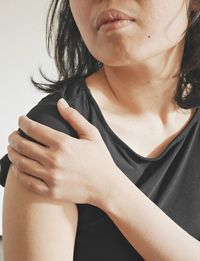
x=64, y=103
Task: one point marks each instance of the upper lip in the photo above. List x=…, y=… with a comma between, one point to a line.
x=110, y=15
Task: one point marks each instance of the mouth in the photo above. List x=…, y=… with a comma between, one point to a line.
x=112, y=17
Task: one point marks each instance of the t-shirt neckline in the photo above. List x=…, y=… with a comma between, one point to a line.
x=126, y=146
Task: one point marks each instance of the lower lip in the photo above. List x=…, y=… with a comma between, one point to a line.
x=115, y=25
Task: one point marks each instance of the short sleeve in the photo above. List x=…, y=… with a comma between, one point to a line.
x=45, y=112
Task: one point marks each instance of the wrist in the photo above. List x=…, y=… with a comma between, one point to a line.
x=102, y=195
x=121, y=188
x=111, y=189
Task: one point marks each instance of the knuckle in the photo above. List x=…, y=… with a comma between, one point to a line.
x=71, y=111
x=58, y=141
x=54, y=161
x=31, y=184
x=10, y=156
x=60, y=144
x=30, y=128
x=10, y=137
x=21, y=163
x=54, y=180
x=9, y=149
x=20, y=146
x=94, y=131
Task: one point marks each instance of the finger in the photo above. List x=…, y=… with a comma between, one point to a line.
x=28, y=148
x=31, y=183
x=27, y=165
x=80, y=124
x=41, y=133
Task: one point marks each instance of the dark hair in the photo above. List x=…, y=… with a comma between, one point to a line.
x=73, y=59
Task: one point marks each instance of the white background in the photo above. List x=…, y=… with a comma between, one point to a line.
x=22, y=51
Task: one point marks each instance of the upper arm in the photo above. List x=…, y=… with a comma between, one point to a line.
x=36, y=228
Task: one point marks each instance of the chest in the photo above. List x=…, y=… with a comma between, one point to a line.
x=144, y=140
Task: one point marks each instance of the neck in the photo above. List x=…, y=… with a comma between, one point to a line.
x=147, y=87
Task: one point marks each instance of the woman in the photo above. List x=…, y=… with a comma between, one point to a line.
x=115, y=174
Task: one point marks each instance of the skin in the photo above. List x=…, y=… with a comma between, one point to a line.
x=142, y=66
x=148, y=52
x=53, y=168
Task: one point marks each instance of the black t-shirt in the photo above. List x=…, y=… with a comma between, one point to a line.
x=171, y=180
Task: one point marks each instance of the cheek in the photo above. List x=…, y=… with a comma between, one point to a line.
x=81, y=16
x=81, y=13
x=177, y=29
x=170, y=21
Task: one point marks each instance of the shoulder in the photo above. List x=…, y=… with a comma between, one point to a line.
x=46, y=112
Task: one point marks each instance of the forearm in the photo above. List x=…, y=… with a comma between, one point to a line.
x=148, y=229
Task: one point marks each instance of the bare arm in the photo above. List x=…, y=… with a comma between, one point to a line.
x=35, y=228
x=148, y=229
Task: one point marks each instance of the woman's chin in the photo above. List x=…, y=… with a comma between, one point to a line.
x=117, y=59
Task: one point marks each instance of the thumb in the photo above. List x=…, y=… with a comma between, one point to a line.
x=83, y=128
